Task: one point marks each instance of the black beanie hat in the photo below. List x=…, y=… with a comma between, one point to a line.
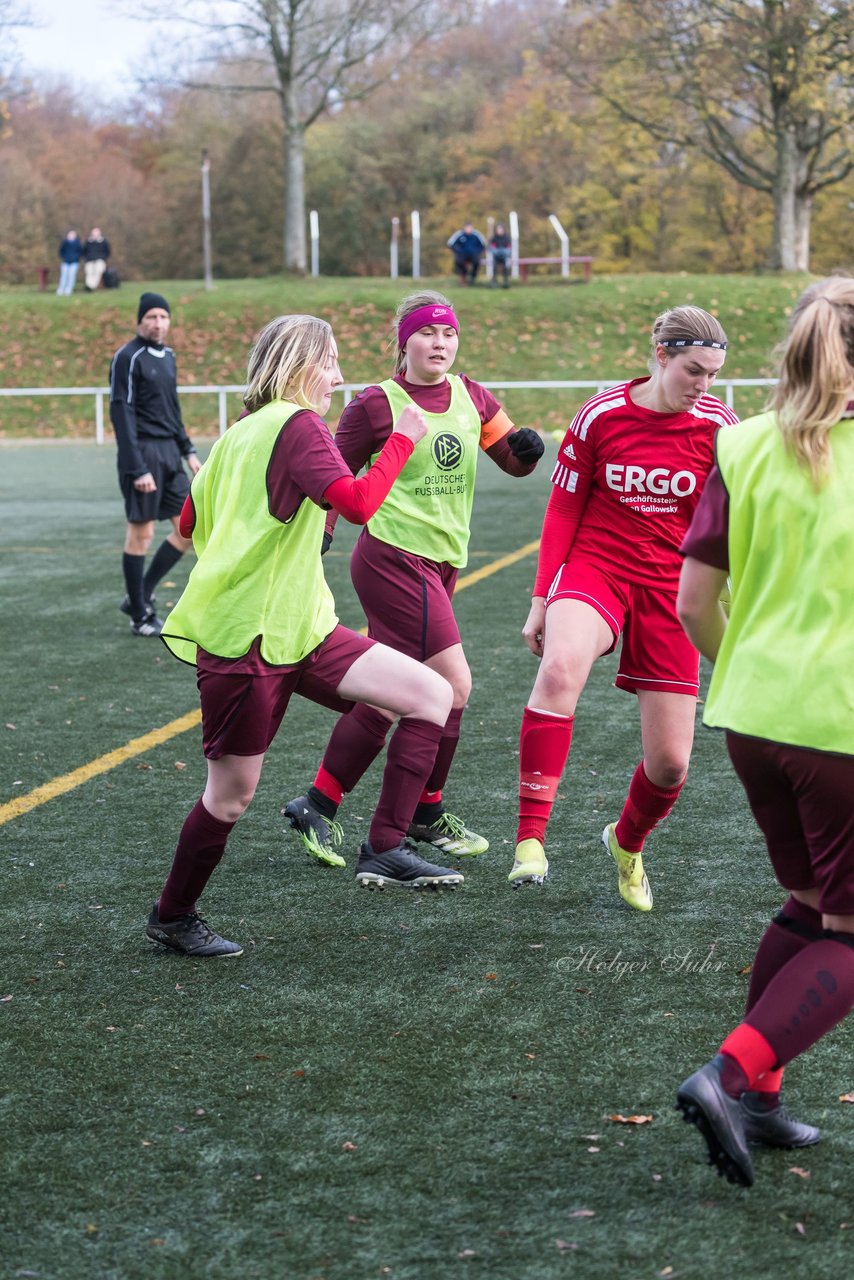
x=148, y=302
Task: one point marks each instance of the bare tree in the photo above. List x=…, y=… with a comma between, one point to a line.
x=13, y=13
x=314, y=55
x=765, y=88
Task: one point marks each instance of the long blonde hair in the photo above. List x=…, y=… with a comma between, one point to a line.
x=816, y=372
x=284, y=359
x=412, y=302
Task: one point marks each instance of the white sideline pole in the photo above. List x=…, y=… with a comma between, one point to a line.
x=415, y=221
x=395, y=235
x=564, y=244
x=514, y=244
x=490, y=268
x=314, y=228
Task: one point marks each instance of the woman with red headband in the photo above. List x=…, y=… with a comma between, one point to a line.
x=628, y=477
x=405, y=562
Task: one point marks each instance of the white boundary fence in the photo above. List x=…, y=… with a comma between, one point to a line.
x=725, y=388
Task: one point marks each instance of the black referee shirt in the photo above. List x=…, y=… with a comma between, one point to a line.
x=144, y=402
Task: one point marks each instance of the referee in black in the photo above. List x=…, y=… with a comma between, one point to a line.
x=153, y=446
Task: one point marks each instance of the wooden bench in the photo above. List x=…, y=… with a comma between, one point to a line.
x=585, y=262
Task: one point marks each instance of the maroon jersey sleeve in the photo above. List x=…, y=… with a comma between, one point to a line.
x=363, y=428
x=707, y=539
x=304, y=463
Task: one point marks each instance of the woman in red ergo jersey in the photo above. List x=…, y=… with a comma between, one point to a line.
x=628, y=477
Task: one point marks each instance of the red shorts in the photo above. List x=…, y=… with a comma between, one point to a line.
x=406, y=599
x=241, y=714
x=656, y=654
x=801, y=801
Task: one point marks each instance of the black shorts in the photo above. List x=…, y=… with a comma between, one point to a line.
x=163, y=460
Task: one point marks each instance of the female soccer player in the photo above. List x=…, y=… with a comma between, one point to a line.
x=405, y=562
x=258, y=621
x=777, y=517
x=628, y=477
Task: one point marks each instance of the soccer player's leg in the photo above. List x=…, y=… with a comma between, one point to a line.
x=575, y=634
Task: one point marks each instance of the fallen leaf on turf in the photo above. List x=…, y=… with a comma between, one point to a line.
x=532, y=1056
x=583, y=1213
x=800, y=1228
x=179, y=764
x=566, y=1244
x=845, y=1226
x=6, y=999
x=591, y=1137
x=467, y=1253
x=802, y=1173
x=349, y=1146
x=748, y=968
x=667, y=1271
x=200, y=1111
x=298, y=1073
x=262, y=1057
x=592, y=1150
x=351, y=1217
x=536, y=946
x=846, y=1097
x=91, y=1229
x=11, y=726
x=619, y=1119
x=490, y=977
x=158, y=1240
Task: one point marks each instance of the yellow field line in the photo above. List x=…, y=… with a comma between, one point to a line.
x=138, y=746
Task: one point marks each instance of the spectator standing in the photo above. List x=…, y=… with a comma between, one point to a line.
x=467, y=246
x=153, y=447
x=776, y=516
x=500, y=247
x=70, y=253
x=96, y=253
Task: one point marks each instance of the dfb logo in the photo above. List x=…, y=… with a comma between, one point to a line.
x=630, y=479
x=447, y=451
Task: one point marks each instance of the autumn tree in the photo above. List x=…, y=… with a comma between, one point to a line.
x=764, y=88
x=314, y=55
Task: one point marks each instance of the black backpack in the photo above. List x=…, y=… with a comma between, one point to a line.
x=111, y=279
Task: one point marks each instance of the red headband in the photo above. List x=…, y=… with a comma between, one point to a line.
x=419, y=319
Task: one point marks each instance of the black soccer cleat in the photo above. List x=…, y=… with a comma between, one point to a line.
x=773, y=1126
x=320, y=835
x=191, y=935
x=705, y=1103
x=402, y=868
x=125, y=605
x=150, y=625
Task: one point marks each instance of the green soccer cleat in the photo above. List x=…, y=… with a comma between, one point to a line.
x=632, y=882
x=449, y=835
x=530, y=866
x=320, y=835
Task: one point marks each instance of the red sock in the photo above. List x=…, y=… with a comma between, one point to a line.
x=355, y=742
x=806, y=998
x=544, y=742
x=770, y=1083
x=447, y=749
x=201, y=845
x=646, y=805
x=410, y=757
x=749, y=1056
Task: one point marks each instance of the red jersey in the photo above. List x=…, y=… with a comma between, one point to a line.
x=627, y=482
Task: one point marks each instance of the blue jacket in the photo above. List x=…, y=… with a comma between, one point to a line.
x=71, y=250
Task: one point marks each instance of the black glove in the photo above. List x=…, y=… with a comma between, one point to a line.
x=327, y=542
x=526, y=445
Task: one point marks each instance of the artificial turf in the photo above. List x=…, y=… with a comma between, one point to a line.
x=384, y=1084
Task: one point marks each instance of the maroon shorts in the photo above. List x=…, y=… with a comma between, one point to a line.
x=656, y=654
x=406, y=599
x=801, y=801
x=241, y=714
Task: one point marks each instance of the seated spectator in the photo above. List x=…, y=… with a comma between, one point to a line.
x=96, y=252
x=467, y=246
x=500, y=246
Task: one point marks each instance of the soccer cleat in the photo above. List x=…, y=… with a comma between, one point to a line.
x=319, y=835
x=402, y=868
x=530, y=865
x=150, y=625
x=632, y=882
x=125, y=606
x=191, y=935
x=449, y=835
x=773, y=1126
x=705, y=1103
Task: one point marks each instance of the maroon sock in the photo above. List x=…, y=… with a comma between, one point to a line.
x=646, y=805
x=796, y=926
x=806, y=998
x=447, y=747
x=410, y=757
x=201, y=844
x=544, y=742
x=356, y=741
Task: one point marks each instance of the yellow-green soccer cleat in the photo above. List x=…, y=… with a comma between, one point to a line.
x=530, y=866
x=632, y=882
x=449, y=835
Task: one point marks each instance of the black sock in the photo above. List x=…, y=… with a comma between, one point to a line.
x=322, y=803
x=132, y=567
x=162, y=561
x=427, y=813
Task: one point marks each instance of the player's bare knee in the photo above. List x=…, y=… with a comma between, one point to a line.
x=666, y=771
x=557, y=688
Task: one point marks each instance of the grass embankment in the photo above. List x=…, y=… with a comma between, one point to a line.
x=541, y=330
